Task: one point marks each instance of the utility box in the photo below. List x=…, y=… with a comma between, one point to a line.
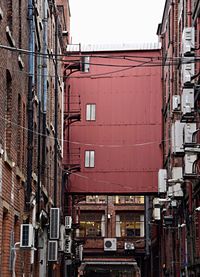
x=156, y=209
x=175, y=189
x=176, y=103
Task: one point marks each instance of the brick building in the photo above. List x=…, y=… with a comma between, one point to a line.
x=111, y=156
x=178, y=202
x=32, y=35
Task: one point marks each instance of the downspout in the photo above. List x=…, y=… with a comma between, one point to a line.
x=56, y=110
x=44, y=96
x=189, y=13
x=31, y=80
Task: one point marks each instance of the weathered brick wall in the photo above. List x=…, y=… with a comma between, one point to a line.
x=13, y=166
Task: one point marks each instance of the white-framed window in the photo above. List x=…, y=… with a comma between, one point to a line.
x=89, y=158
x=85, y=64
x=91, y=112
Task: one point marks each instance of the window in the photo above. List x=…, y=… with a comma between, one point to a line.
x=90, y=111
x=8, y=111
x=20, y=24
x=89, y=158
x=85, y=64
x=9, y=14
x=129, y=225
x=92, y=224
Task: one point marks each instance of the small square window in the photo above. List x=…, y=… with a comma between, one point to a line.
x=85, y=64
x=89, y=158
x=91, y=112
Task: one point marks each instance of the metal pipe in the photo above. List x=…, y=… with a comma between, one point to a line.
x=56, y=112
x=189, y=13
x=31, y=80
x=44, y=75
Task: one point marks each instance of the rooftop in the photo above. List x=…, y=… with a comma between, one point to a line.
x=112, y=47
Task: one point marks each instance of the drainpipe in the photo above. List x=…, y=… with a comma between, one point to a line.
x=31, y=80
x=44, y=96
x=189, y=13
x=56, y=111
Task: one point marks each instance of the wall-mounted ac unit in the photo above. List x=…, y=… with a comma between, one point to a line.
x=68, y=222
x=54, y=223
x=189, y=130
x=187, y=71
x=68, y=244
x=52, y=250
x=176, y=103
x=187, y=101
x=162, y=180
x=110, y=244
x=188, y=41
x=26, y=236
x=189, y=160
x=129, y=245
x=177, y=137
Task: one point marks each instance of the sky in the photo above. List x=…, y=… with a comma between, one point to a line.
x=115, y=21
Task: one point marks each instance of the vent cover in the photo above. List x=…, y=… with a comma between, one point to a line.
x=54, y=223
x=52, y=251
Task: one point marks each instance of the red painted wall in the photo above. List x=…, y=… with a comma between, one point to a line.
x=126, y=135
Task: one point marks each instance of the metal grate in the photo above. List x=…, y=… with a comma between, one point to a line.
x=52, y=251
x=54, y=223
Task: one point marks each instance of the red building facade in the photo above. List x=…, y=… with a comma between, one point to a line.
x=119, y=103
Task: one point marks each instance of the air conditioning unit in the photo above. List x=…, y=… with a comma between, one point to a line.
x=68, y=222
x=176, y=103
x=177, y=137
x=162, y=180
x=187, y=101
x=188, y=41
x=187, y=71
x=52, y=250
x=129, y=245
x=189, y=130
x=68, y=244
x=110, y=244
x=26, y=236
x=54, y=223
x=189, y=160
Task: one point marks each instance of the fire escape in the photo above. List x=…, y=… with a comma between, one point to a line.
x=72, y=114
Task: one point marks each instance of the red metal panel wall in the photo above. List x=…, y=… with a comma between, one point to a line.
x=126, y=135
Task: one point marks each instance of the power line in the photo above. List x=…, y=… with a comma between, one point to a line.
x=86, y=144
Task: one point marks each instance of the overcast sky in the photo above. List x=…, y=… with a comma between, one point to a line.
x=115, y=21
